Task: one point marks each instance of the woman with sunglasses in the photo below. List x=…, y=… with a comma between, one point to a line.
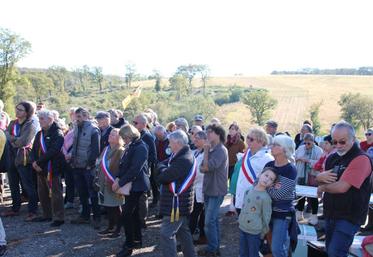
x=252, y=163
x=306, y=156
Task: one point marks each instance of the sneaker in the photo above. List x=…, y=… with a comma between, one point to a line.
x=57, y=223
x=114, y=235
x=80, y=220
x=313, y=220
x=69, y=205
x=2, y=250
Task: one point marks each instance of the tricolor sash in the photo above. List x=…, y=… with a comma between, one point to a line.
x=16, y=128
x=104, y=164
x=43, y=148
x=184, y=187
x=247, y=169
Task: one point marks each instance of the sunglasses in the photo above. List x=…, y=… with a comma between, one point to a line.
x=341, y=142
x=368, y=134
x=250, y=139
x=308, y=143
x=135, y=122
x=20, y=110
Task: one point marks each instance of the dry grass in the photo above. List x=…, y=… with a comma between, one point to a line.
x=295, y=94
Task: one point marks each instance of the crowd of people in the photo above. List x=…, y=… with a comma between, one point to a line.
x=116, y=166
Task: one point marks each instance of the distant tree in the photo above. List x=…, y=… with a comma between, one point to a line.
x=314, y=115
x=260, y=104
x=97, y=77
x=357, y=110
x=83, y=75
x=59, y=75
x=180, y=84
x=12, y=49
x=130, y=74
x=189, y=72
x=42, y=84
x=204, y=70
x=158, y=79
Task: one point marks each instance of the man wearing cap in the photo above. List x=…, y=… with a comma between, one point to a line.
x=198, y=121
x=103, y=120
x=271, y=127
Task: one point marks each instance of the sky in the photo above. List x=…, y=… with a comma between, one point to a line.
x=249, y=37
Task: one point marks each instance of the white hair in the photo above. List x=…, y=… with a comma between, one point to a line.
x=179, y=136
x=46, y=114
x=287, y=144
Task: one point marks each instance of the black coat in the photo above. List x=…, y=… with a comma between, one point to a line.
x=133, y=167
x=177, y=170
x=150, y=142
x=53, y=139
x=104, y=139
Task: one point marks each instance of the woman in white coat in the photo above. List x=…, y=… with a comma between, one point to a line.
x=253, y=161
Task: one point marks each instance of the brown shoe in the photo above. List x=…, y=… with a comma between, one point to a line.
x=9, y=213
x=31, y=217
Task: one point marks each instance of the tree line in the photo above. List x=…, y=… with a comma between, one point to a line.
x=361, y=71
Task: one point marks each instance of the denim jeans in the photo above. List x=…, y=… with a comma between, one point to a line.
x=83, y=180
x=249, y=244
x=212, y=228
x=280, y=237
x=27, y=178
x=180, y=230
x=69, y=181
x=339, y=237
x=2, y=234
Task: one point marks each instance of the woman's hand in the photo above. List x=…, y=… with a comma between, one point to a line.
x=115, y=186
x=326, y=177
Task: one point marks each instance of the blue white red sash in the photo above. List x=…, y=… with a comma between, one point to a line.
x=188, y=182
x=43, y=148
x=104, y=164
x=16, y=128
x=247, y=169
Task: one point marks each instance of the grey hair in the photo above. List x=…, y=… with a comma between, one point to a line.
x=179, y=136
x=308, y=127
x=182, y=122
x=143, y=118
x=46, y=114
x=308, y=137
x=345, y=125
x=56, y=114
x=160, y=128
x=196, y=127
x=287, y=144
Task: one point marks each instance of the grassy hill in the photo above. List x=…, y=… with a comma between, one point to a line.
x=295, y=94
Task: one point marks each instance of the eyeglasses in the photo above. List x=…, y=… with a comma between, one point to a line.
x=341, y=142
x=368, y=134
x=250, y=139
x=135, y=122
x=308, y=143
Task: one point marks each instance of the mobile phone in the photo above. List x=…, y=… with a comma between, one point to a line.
x=336, y=169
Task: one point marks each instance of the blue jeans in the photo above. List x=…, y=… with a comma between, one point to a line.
x=249, y=244
x=339, y=236
x=280, y=237
x=212, y=228
x=83, y=180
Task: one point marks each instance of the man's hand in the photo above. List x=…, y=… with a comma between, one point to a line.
x=277, y=185
x=326, y=177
